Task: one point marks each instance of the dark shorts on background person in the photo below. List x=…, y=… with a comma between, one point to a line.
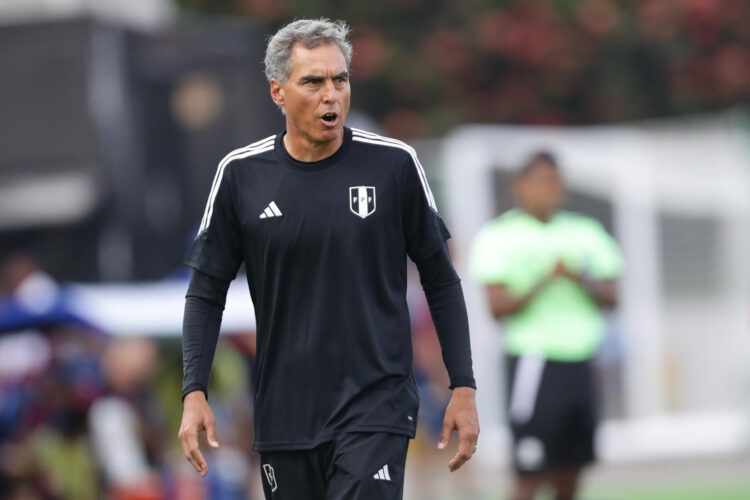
x=354, y=466
x=552, y=412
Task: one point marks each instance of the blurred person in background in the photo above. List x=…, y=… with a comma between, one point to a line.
x=433, y=383
x=120, y=416
x=28, y=284
x=323, y=217
x=547, y=274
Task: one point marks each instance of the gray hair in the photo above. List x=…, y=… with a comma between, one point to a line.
x=310, y=33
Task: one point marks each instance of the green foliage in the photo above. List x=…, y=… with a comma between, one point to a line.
x=423, y=66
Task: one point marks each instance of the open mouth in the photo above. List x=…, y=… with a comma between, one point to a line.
x=330, y=118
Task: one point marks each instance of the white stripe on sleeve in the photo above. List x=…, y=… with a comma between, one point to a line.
x=255, y=148
x=370, y=138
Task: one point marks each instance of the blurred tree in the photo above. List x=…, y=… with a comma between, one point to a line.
x=423, y=66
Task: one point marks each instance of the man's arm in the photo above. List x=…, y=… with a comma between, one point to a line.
x=502, y=303
x=442, y=288
x=204, y=306
x=604, y=292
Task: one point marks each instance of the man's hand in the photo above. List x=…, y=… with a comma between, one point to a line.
x=604, y=292
x=461, y=415
x=562, y=271
x=197, y=416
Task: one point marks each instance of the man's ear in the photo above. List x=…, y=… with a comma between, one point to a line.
x=277, y=92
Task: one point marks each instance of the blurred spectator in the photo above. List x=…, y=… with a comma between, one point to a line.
x=120, y=435
x=547, y=272
x=84, y=416
x=23, y=279
x=429, y=371
x=432, y=382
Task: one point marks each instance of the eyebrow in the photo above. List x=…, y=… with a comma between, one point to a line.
x=318, y=78
x=311, y=79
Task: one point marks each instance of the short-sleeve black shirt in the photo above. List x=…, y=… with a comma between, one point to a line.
x=324, y=246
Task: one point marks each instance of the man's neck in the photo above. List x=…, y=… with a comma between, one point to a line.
x=301, y=148
x=540, y=215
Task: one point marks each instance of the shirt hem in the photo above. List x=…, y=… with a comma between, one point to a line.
x=214, y=273
x=553, y=356
x=308, y=445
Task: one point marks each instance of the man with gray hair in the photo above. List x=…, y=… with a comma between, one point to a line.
x=323, y=217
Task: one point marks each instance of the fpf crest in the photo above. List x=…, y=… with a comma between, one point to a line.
x=362, y=200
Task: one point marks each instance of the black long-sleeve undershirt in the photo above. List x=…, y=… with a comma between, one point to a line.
x=206, y=296
x=445, y=297
x=204, y=307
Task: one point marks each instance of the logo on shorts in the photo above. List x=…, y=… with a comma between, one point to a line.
x=382, y=474
x=362, y=200
x=270, y=476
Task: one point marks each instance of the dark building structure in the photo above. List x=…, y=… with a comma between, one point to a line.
x=109, y=139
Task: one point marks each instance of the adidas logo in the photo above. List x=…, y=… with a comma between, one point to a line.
x=272, y=210
x=382, y=474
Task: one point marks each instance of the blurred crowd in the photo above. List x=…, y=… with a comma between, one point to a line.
x=85, y=415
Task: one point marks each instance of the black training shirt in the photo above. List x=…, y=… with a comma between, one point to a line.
x=324, y=246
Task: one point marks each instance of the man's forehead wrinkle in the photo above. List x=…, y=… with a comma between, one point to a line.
x=301, y=56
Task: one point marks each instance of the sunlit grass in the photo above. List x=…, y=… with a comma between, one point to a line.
x=677, y=492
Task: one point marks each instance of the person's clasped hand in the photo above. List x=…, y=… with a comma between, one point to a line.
x=562, y=271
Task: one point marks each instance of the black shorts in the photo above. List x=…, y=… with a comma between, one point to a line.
x=552, y=411
x=355, y=466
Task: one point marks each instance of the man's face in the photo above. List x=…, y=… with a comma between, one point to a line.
x=540, y=189
x=316, y=95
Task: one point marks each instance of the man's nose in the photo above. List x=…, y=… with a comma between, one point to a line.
x=329, y=90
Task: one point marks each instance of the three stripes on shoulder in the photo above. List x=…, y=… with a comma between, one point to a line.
x=371, y=138
x=255, y=148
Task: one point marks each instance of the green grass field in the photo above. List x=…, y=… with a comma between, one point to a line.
x=720, y=479
x=725, y=478
x=676, y=492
